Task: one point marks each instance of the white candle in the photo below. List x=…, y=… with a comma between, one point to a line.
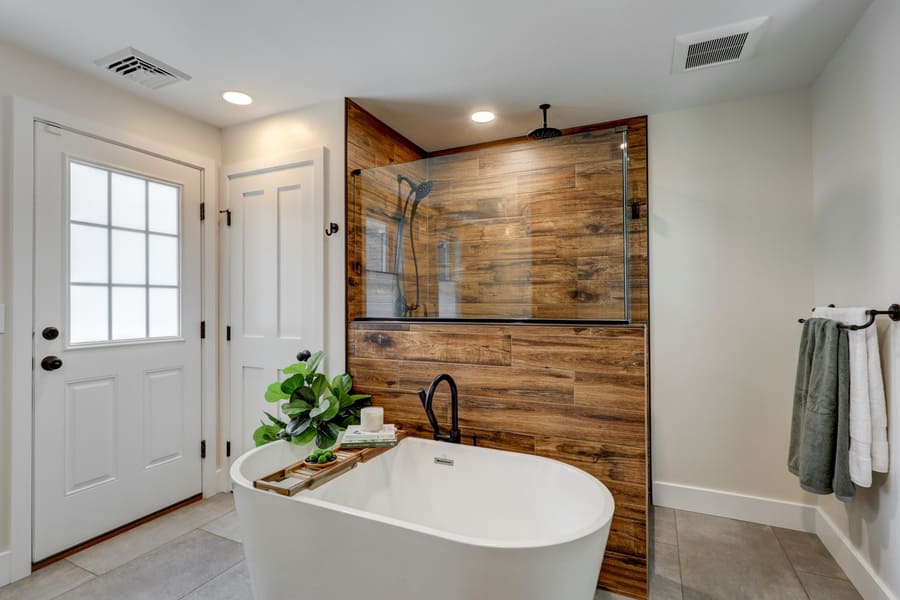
x=372, y=418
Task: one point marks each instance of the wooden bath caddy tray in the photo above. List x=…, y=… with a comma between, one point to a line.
x=300, y=476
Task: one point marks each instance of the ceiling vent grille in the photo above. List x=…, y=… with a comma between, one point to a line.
x=141, y=68
x=720, y=46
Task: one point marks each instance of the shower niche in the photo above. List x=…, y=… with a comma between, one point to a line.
x=532, y=230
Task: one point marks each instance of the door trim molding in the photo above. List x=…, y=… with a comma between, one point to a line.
x=21, y=115
x=314, y=156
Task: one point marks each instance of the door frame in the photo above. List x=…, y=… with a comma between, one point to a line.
x=21, y=116
x=314, y=156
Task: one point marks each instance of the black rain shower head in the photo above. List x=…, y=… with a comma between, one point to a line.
x=421, y=189
x=544, y=132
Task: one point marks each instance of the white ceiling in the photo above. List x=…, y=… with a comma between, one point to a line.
x=424, y=65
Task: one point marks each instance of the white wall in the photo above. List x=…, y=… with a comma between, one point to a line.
x=731, y=262
x=856, y=146
x=30, y=76
x=309, y=127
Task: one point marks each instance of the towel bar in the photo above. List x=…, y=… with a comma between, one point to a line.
x=893, y=312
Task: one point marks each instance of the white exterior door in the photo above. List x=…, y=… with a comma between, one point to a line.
x=277, y=280
x=116, y=339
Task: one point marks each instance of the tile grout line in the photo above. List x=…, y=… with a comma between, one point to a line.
x=155, y=548
x=216, y=576
x=790, y=562
x=678, y=550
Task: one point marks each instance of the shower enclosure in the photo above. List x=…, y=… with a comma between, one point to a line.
x=536, y=230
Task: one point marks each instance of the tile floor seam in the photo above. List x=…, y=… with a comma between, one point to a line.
x=678, y=552
x=790, y=562
x=214, y=577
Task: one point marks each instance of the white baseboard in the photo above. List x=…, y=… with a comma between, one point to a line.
x=778, y=513
x=860, y=572
x=5, y=573
x=756, y=509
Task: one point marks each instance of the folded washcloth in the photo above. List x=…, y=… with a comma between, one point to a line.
x=820, y=436
x=860, y=456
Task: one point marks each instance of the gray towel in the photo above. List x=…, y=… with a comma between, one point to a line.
x=820, y=429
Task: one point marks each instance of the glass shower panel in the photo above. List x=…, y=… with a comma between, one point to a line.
x=533, y=230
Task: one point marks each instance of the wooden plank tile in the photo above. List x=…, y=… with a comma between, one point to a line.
x=555, y=386
x=453, y=348
x=627, y=536
x=565, y=421
x=627, y=464
x=625, y=575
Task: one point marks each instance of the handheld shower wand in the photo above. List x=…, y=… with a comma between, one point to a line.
x=416, y=194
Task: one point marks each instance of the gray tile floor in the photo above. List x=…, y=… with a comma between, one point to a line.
x=701, y=557
x=195, y=553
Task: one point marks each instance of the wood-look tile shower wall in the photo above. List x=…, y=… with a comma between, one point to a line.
x=574, y=393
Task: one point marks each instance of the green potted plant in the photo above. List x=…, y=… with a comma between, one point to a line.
x=317, y=408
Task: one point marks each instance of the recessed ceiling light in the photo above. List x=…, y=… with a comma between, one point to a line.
x=483, y=116
x=239, y=98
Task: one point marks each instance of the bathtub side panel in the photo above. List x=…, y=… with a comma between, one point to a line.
x=299, y=550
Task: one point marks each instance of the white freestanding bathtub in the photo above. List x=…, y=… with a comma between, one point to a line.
x=475, y=524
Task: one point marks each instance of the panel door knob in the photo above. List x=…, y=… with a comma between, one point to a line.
x=304, y=355
x=50, y=333
x=51, y=363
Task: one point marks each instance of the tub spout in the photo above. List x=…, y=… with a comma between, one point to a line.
x=427, y=400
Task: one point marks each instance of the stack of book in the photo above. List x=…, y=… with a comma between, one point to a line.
x=356, y=437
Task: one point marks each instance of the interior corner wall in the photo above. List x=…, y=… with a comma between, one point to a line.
x=731, y=264
x=856, y=149
x=35, y=78
x=313, y=126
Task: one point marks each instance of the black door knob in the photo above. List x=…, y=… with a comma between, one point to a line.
x=50, y=333
x=304, y=355
x=51, y=363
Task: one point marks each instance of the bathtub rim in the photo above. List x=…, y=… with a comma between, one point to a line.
x=602, y=521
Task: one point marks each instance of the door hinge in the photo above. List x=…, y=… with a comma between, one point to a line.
x=202, y=448
x=203, y=211
x=227, y=449
x=227, y=216
x=228, y=333
x=202, y=330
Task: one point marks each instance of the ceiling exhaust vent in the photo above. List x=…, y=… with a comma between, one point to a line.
x=141, y=68
x=720, y=46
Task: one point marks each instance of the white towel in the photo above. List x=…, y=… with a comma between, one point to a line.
x=860, y=398
x=877, y=405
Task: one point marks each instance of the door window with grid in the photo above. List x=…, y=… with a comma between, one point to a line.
x=124, y=256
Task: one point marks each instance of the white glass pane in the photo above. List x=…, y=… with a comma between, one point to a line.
x=87, y=194
x=128, y=257
x=164, y=311
x=88, y=254
x=163, y=211
x=128, y=208
x=163, y=260
x=129, y=316
x=88, y=314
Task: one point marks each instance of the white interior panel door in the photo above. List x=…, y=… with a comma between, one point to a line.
x=277, y=281
x=117, y=337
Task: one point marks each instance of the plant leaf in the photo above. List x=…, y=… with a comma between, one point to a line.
x=323, y=406
x=299, y=368
x=312, y=363
x=306, y=437
x=297, y=426
x=265, y=434
x=274, y=393
x=342, y=383
x=358, y=397
x=318, y=385
x=275, y=420
x=334, y=406
x=324, y=439
x=306, y=394
x=291, y=383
